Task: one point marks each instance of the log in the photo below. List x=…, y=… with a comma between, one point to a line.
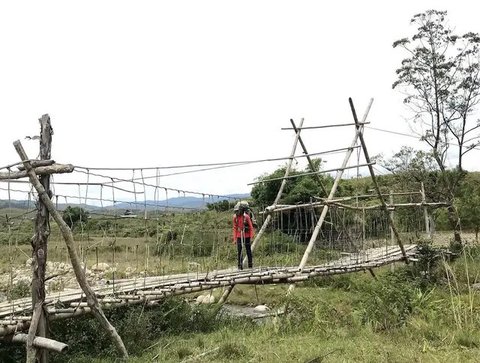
x=39, y=342
x=37, y=163
x=41, y=170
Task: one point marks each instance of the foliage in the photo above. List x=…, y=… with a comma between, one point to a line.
x=221, y=206
x=469, y=203
x=388, y=302
x=441, y=80
x=74, y=216
x=299, y=189
x=173, y=316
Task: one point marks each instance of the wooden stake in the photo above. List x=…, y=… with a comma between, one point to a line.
x=425, y=212
x=39, y=252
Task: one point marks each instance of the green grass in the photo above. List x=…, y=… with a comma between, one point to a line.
x=427, y=312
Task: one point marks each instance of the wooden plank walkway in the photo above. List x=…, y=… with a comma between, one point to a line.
x=15, y=315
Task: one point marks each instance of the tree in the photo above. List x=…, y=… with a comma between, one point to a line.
x=469, y=204
x=441, y=83
x=411, y=167
x=74, y=216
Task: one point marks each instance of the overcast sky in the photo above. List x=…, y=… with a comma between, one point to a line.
x=137, y=84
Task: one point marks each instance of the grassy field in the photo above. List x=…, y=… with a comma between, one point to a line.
x=425, y=312
x=401, y=316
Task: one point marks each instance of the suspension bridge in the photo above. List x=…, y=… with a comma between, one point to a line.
x=15, y=315
x=338, y=229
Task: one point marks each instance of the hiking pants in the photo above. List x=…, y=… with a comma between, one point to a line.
x=248, y=249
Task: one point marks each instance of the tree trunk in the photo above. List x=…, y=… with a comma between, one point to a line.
x=454, y=221
x=39, y=248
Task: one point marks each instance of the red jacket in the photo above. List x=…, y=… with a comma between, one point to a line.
x=239, y=224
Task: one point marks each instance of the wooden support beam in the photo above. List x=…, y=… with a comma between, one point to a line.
x=37, y=163
x=311, y=173
x=39, y=342
x=310, y=162
x=41, y=170
x=323, y=126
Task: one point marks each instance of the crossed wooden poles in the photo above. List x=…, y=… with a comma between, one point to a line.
x=36, y=341
x=359, y=127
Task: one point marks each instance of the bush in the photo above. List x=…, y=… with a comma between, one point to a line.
x=386, y=303
x=172, y=316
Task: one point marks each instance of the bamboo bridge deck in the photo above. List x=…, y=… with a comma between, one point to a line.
x=15, y=315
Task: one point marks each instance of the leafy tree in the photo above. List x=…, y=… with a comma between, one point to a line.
x=469, y=203
x=441, y=82
x=297, y=190
x=221, y=206
x=74, y=216
x=265, y=193
x=411, y=167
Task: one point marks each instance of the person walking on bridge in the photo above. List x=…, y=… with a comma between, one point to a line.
x=242, y=233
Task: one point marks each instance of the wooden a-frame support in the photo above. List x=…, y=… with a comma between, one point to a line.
x=36, y=349
x=358, y=136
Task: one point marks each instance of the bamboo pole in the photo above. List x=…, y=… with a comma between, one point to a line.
x=323, y=126
x=331, y=195
x=374, y=180
x=76, y=264
x=310, y=162
x=334, y=202
x=312, y=173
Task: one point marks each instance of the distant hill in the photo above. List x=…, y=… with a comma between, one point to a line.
x=178, y=202
x=174, y=203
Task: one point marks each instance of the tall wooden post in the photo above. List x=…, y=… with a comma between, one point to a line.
x=39, y=242
x=425, y=212
x=392, y=216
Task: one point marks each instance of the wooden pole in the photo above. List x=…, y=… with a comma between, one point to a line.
x=374, y=180
x=392, y=236
x=40, y=342
x=41, y=170
x=76, y=264
x=39, y=251
x=280, y=191
x=425, y=212
x=338, y=177
x=392, y=216
x=310, y=162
